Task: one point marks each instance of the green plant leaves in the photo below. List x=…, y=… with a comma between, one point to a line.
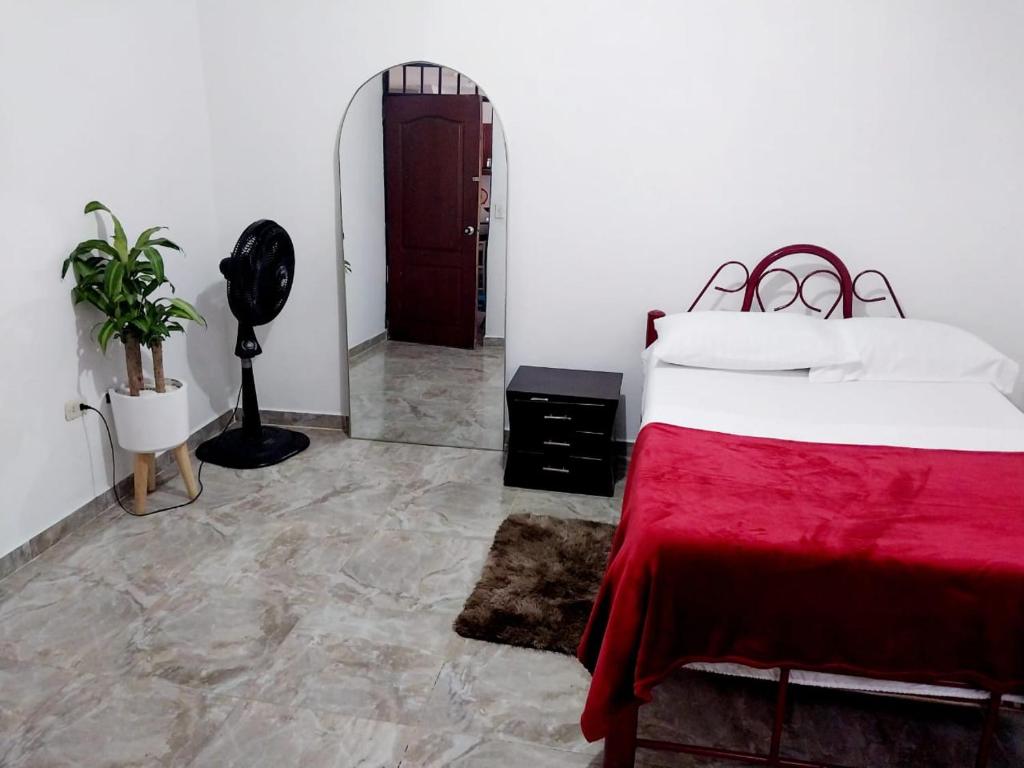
x=106, y=332
x=181, y=308
x=114, y=280
x=95, y=205
x=120, y=238
x=143, y=240
x=119, y=281
x=163, y=242
x=84, y=271
x=87, y=246
x=156, y=261
x=141, y=325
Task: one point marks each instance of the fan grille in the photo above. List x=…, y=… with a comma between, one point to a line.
x=260, y=272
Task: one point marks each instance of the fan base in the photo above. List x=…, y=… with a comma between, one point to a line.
x=235, y=450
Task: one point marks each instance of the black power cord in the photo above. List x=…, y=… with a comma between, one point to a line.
x=113, y=461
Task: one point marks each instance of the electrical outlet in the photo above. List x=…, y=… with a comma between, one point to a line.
x=73, y=410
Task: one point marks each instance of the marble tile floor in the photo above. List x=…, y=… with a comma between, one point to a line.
x=301, y=615
x=418, y=393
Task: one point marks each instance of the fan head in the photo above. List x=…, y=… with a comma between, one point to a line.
x=259, y=272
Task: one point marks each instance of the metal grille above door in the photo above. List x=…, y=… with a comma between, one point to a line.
x=422, y=78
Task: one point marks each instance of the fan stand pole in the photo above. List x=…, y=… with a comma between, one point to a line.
x=252, y=426
x=252, y=445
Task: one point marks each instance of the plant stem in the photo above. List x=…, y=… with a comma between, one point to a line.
x=158, y=366
x=133, y=361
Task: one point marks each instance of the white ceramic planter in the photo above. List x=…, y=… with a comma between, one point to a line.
x=151, y=422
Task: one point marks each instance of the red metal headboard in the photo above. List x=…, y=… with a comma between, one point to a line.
x=752, y=279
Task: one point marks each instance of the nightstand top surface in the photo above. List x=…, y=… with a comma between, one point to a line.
x=565, y=382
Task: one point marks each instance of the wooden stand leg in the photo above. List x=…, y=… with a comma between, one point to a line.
x=620, y=743
x=151, y=472
x=141, y=482
x=185, y=466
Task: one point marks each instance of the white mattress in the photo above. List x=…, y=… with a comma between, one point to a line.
x=786, y=405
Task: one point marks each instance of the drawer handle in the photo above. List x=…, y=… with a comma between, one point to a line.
x=538, y=399
x=553, y=417
x=556, y=443
x=560, y=470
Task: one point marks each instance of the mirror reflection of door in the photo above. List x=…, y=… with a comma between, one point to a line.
x=432, y=175
x=423, y=186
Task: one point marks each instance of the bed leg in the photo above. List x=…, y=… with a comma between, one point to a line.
x=988, y=729
x=780, y=717
x=620, y=743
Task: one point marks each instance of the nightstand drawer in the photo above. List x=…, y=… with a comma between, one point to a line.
x=574, y=474
x=554, y=417
x=564, y=441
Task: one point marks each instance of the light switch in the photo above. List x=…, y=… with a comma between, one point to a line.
x=498, y=211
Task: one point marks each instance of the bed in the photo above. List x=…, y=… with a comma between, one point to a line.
x=866, y=536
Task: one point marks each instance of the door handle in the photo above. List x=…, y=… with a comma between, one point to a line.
x=469, y=230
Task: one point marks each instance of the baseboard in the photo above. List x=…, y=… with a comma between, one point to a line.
x=307, y=420
x=41, y=542
x=370, y=343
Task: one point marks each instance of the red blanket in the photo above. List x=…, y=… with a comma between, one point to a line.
x=896, y=563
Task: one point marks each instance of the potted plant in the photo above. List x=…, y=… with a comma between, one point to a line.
x=120, y=280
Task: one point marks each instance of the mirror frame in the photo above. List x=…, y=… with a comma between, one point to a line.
x=346, y=384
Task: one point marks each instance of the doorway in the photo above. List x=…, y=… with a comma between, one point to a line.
x=423, y=179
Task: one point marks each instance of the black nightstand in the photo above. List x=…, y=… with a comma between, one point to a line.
x=561, y=425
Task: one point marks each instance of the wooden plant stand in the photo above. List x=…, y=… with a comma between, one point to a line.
x=145, y=476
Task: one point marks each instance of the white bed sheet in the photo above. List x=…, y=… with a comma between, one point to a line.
x=965, y=416
x=786, y=405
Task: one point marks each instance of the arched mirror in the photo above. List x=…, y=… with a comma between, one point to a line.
x=423, y=181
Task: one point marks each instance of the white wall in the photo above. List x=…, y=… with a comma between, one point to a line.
x=98, y=100
x=889, y=132
x=496, y=239
x=362, y=195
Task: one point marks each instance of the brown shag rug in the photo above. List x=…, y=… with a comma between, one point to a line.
x=538, y=584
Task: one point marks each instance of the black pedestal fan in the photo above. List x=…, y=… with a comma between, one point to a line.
x=259, y=272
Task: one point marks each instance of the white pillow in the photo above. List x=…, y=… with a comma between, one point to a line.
x=891, y=349
x=749, y=341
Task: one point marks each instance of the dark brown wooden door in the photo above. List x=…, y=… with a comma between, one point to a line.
x=432, y=172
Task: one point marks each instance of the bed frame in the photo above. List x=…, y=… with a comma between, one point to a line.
x=752, y=279
x=622, y=741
